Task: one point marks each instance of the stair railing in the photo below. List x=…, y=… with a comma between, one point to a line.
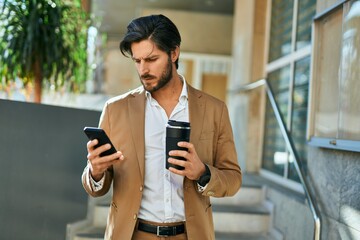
x=291, y=147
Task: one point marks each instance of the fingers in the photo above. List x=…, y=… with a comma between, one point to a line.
x=92, y=143
x=174, y=161
x=95, y=152
x=101, y=164
x=98, y=163
x=193, y=166
x=109, y=159
x=176, y=171
x=189, y=170
x=98, y=150
x=184, y=153
x=187, y=145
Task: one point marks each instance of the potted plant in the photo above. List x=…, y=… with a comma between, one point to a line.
x=43, y=41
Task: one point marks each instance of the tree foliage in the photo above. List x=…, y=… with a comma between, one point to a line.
x=43, y=40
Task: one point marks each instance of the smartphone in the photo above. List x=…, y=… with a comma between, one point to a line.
x=99, y=134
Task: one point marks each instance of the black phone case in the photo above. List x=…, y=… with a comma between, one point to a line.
x=99, y=134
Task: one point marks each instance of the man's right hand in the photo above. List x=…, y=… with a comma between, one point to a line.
x=98, y=165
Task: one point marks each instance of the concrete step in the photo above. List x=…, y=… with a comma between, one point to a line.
x=101, y=211
x=90, y=233
x=248, y=195
x=240, y=236
x=241, y=219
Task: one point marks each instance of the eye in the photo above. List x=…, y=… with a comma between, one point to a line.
x=151, y=59
x=137, y=61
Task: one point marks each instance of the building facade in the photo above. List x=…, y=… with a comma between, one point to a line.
x=308, y=51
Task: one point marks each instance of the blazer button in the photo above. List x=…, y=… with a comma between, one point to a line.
x=210, y=193
x=141, y=188
x=135, y=216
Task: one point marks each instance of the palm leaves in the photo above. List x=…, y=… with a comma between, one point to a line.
x=43, y=40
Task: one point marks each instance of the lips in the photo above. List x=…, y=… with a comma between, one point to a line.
x=147, y=77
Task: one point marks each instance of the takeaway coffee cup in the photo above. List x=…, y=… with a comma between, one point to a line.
x=176, y=131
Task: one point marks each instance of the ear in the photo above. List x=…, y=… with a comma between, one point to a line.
x=175, y=54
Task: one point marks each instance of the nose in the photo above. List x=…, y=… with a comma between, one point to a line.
x=143, y=68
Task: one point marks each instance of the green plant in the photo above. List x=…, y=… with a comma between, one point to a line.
x=43, y=40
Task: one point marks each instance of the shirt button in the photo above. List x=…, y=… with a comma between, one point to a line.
x=135, y=216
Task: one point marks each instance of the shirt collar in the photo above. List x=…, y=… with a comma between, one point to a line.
x=183, y=95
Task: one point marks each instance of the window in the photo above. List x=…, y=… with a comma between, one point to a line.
x=335, y=117
x=288, y=73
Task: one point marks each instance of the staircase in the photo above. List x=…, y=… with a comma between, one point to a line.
x=245, y=216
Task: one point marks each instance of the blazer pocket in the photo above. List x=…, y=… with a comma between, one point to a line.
x=205, y=145
x=114, y=206
x=206, y=203
x=208, y=207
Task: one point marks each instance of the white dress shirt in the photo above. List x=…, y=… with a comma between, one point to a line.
x=163, y=197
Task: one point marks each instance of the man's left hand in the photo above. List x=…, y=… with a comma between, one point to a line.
x=194, y=167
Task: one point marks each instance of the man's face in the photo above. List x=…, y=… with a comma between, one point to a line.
x=153, y=65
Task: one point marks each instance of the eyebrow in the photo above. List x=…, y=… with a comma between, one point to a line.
x=149, y=56
x=145, y=58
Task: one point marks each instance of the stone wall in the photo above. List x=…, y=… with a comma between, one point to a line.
x=336, y=176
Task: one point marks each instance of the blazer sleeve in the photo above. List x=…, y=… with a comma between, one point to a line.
x=226, y=177
x=85, y=178
x=87, y=185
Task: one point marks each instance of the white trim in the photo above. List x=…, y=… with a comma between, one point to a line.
x=207, y=62
x=310, y=122
x=295, y=186
x=294, y=26
x=286, y=60
x=197, y=75
x=200, y=60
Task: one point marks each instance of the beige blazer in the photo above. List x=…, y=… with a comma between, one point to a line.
x=123, y=120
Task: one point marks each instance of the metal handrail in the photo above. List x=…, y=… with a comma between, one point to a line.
x=291, y=147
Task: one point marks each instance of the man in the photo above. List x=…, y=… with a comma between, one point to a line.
x=149, y=201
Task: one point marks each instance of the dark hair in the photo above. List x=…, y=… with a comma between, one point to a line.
x=157, y=28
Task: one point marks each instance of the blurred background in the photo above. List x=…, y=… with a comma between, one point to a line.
x=288, y=71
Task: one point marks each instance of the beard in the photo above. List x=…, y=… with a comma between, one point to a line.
x=163, y=80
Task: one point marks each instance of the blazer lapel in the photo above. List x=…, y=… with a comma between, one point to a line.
x=196, y=113
x=136, y=108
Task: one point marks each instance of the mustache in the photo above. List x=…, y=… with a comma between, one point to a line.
x=147, y=76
